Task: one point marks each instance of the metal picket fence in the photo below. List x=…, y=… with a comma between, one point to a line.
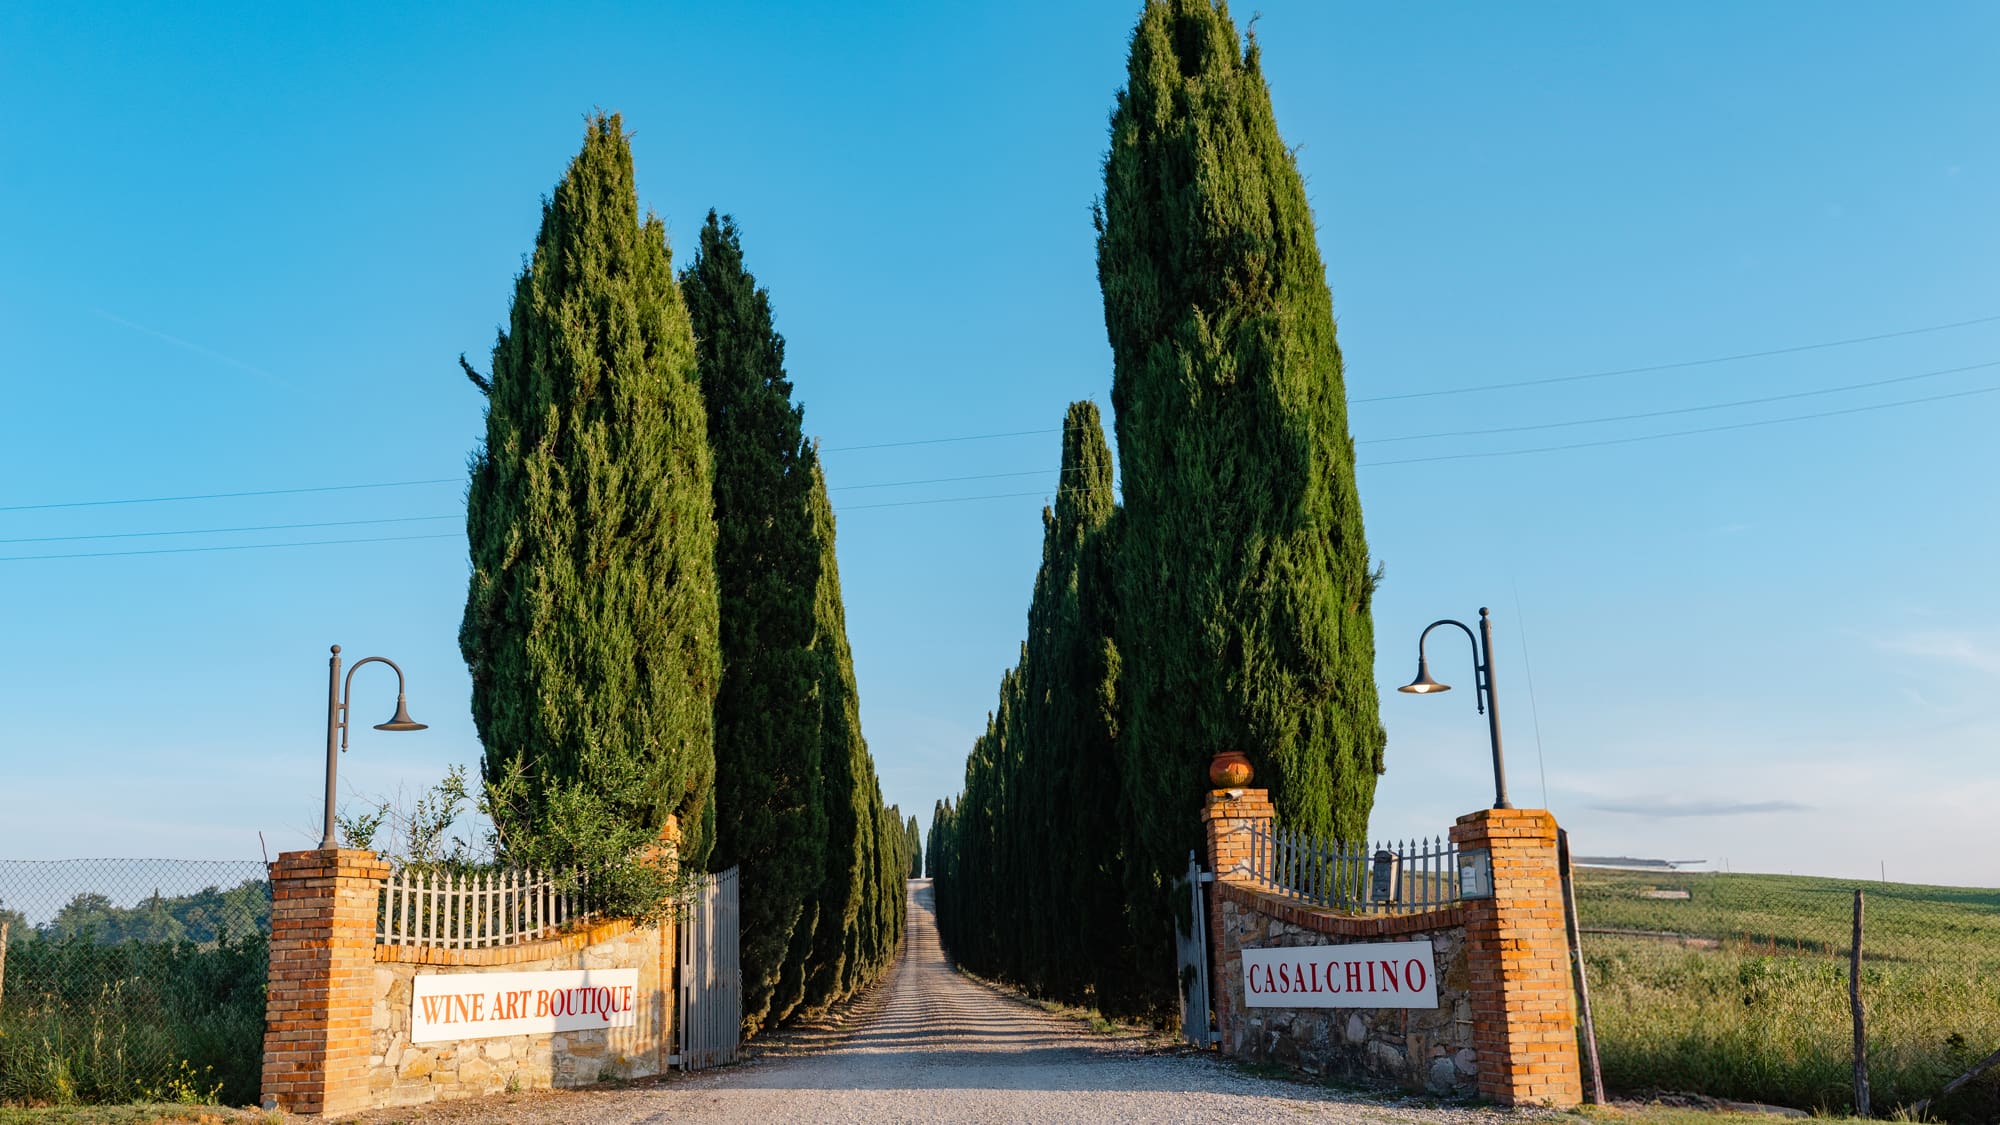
x=132, y=979
x=1395, y=877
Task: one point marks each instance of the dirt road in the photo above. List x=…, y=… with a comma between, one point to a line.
x=932, y=1046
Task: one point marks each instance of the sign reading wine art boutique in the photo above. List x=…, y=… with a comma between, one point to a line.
x=445, y=1006
x=1386, y=974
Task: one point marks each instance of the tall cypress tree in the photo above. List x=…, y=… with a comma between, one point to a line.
x=1245, y=581
x=770, y=816
x=913, y=847
x=590, y=622
x=848, y=776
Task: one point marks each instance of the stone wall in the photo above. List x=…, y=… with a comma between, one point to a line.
x=401, y=1073
x=338, y=1008
x=1504, y=1027
x=1423, y=1049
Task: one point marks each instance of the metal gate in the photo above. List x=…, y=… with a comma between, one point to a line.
x=711, y=976
x=1197, y=1025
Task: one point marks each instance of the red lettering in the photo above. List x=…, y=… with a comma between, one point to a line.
x=628, y=998
x=1415, y=975
x=1371, y=976
x=607, y=1003
x=1315, y=976
x=1354, y=976
x=1389, y=976
x=1284, y=977
x=1331, y=984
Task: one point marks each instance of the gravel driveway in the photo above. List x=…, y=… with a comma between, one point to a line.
x=932, y=1046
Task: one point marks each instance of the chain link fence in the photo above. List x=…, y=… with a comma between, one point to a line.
x=1737, y=986
x=132, y=980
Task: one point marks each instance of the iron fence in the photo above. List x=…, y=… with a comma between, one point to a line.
x=1389, y=878
x=132, y=979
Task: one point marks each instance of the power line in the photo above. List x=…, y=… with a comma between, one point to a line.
x=224, y=530
x=940, y=441
x=1794, y=349
x=956, y=499
x=1683, y=409
x=1682, y=433
x=936, y=480
x=226, y=495
x=234, y=547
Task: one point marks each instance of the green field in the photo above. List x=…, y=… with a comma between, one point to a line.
x=1740, y=989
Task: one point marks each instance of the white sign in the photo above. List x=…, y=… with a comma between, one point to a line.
x=483, y=1005
x=1385, y=974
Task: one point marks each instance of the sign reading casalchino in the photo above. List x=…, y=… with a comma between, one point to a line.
x=1385, y=974
x=483, y=1005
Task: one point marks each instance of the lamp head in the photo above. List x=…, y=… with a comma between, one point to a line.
x=1423, y=684
x=401, y=719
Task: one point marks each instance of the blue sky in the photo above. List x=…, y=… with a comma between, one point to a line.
x=248, y=242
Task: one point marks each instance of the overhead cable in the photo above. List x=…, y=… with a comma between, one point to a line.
x=1686, y=363
x=1682, y=409
x=1679, y=433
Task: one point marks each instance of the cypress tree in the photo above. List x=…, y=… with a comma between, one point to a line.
x=913, y=847
x=590, y=619
x=1245, y=585
x=848, y=777
x=770, y=815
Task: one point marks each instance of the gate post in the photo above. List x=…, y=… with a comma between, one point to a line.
x=1523, y=1014
x=316, y=1021
x=1227, y=816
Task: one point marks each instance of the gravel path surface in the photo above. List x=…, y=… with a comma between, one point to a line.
x=932, y=1046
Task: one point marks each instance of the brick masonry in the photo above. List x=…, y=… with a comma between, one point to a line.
x=1504, y=1028
x=336, y=1037
x=316, y=1014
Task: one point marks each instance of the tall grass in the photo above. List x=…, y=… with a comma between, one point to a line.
x=87, y=1022
x=1749, y=998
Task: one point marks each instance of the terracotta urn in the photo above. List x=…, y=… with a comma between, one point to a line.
x=1229, y=769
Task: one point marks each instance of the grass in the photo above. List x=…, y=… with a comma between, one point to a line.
x=135, y=1115
x=85, y=1023
x=1748, y=999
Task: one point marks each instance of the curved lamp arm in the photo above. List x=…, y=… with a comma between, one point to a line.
x=1478, y=665
x=347, y=694
x=1482, y=666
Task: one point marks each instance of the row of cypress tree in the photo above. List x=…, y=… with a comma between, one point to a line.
x=1225, y=604
x=654, y=624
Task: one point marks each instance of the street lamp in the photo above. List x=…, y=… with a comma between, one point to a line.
x=1482, y=667
x=338, y=699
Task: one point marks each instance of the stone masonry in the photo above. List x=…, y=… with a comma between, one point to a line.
x=401, y=1073
x=1504, y=1027
x=338, y=1014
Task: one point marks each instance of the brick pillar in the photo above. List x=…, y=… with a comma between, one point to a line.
x=1226, y=823
x=1523, y=1010
x=317, y=1011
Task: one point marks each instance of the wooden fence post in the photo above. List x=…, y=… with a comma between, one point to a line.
x=1860, y=1033
x=1589, y=1025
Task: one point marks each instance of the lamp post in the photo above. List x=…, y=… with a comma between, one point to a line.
x=339, y=696
x=1482, y=667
